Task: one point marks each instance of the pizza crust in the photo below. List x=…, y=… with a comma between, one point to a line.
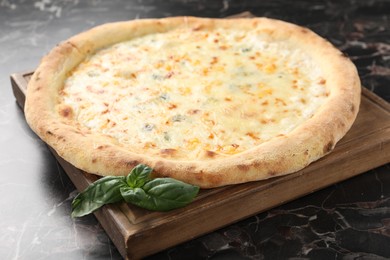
x=102, y=155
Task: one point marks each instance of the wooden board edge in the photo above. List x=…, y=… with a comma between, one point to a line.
x=222, y=207
x=18, y=80
x=207, y=220
x=376, y=99
x=111, y=214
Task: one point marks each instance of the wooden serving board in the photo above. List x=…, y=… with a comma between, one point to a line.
x=134, y=230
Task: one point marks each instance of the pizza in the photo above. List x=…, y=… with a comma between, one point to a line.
x=210, y=102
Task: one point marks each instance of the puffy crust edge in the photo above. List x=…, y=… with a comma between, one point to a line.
x=282, y=155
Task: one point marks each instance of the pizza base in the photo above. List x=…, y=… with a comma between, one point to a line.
x=102, y=155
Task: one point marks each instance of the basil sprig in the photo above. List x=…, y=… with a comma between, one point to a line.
x=138, y=188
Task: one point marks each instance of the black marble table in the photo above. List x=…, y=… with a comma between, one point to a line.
x=349, y=220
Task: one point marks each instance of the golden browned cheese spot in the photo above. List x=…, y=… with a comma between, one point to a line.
x=306, y=152
x=210, y=154
x=94, y=160
x=322, y=81
x=194, y=111
x=253, y=136
x=172, y=106
x=49, y=132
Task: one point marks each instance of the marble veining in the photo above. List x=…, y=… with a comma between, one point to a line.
x=329, y=224
x=349, y=220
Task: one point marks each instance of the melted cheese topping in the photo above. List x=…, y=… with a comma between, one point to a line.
x=192, y=95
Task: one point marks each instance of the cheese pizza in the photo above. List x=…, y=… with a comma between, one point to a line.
x=210, y=102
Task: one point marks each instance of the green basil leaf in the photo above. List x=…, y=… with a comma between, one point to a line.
x=133, y=195
x=103, y=191
x=161, y=194
x=138, y=176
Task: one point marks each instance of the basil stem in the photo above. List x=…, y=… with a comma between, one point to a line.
x=160, y=194
x=103, y=191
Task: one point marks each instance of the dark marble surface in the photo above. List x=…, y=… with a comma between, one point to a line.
x=350, y=220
